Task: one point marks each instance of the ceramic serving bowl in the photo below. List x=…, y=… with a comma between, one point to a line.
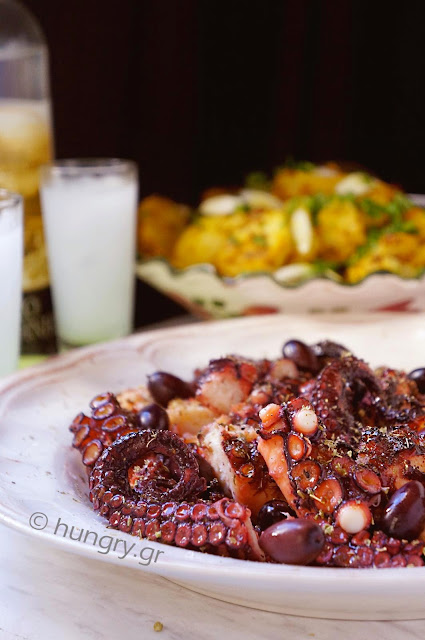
x=290, y=289
x=206, y=294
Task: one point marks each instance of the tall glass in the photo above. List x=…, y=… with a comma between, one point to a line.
x=11, y=257
x=89, y=212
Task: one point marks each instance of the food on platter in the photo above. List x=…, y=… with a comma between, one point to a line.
x=160, y=223
x=306, y=178
x=311, y=458
x=320, y=219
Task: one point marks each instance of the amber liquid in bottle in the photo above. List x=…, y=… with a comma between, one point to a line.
x=26, y=143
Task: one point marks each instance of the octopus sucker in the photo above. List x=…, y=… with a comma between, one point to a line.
x=311, y=458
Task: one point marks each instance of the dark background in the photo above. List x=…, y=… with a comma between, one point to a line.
x=200, y=93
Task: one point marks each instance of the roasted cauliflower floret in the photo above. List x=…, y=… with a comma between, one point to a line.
x=399, y=253
x=289, y=182
x=382, y=192
x=416, y=217
x=340, y=230
x=363, y=185
x=205, y=238
x=161, y=221
x=199, y=243
x=242, y=241
x=262, y=243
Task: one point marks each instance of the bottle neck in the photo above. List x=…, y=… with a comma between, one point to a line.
x=24, y=73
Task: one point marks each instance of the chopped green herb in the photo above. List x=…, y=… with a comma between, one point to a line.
x=367, y=178
x=243, y=208
x=405, y=226
x=300, y=165
x=393, y=210
x=372, y=209
x=260, y=240
x=321, y=266
x=257, y=180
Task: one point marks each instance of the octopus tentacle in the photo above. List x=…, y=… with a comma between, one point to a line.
x=364, y=550
x=227, y=382
x=143, y=506
x=403, y=402
x=334, y=393
x=107, y=422
x=315, y=474
x=157, y=466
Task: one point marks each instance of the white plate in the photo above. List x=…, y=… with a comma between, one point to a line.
x=40, y=473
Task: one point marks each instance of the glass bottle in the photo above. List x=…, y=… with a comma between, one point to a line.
x=26, y=142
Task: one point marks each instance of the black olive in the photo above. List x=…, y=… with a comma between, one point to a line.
x=418, y=375
x=164, y=387
x=272, y=512
x=404, y=515
x=301, y=354
x=293, y=541
x=154, y=418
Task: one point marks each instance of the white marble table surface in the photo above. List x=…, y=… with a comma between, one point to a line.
x=49, y=594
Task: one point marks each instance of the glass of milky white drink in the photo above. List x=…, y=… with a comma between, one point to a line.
x=11, y=257
x=89, y=212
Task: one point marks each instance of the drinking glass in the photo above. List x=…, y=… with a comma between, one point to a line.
x=11, y=259
x=89, y=212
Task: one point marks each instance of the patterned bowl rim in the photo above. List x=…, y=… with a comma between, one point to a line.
x=210, y=269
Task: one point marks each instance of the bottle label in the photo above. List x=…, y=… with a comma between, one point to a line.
x=38, y=329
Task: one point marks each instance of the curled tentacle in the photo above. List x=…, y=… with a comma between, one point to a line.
x=223, y=527
x=155, y=466
x=107, y=422
x=344, y=392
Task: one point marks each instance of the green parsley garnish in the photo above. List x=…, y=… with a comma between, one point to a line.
x=257, y=180
x=300, y=165
x=260, y=240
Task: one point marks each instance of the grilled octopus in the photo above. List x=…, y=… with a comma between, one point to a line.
x=310, y=458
